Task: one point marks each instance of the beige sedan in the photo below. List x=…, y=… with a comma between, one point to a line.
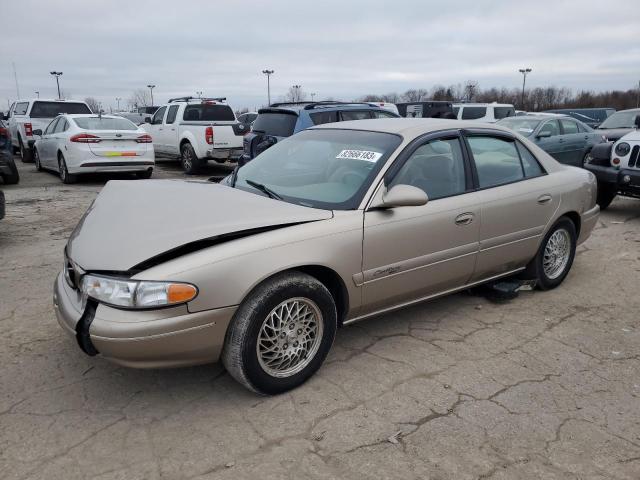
x=330, y=226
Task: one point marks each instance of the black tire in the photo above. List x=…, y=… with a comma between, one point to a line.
x=239, y=354
x=13, y=177
x=536, y=270
x=36, y=160
x=189, y=160
x=606, y=193
x=66, y=177
x=144, y=175
x=25, y=152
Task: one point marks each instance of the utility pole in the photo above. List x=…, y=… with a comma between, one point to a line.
x=524, y=72
x=15, y=77
x=312, y=95
x=268, y=73
x=118, y=100
x=638, y=100
x=199, y=94
x=296, y=88
x=57, y=75
x=151, y=87
x=37, y=93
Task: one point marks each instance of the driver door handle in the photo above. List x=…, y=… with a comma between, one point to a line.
x=464, y=218
x=542, y=199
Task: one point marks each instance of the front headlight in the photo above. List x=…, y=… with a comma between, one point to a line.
x=622, y=149
x=136, y=294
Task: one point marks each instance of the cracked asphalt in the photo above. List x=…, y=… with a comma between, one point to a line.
x=544, y=386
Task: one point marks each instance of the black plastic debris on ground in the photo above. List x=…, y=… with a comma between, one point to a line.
x=502, y=291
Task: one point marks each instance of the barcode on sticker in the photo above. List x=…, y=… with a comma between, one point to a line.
x=359, y=155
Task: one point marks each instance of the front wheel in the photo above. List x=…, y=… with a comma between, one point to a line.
x=606, y=194
x=189, y=159
x=281, y=333
x=555, y=256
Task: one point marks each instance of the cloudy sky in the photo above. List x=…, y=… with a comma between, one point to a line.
x=334, y=48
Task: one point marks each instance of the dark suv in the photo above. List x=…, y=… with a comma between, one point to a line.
x=282, y=120
x=8, y=169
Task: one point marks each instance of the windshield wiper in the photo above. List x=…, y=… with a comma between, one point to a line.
x=234, y=176
x=264, y=189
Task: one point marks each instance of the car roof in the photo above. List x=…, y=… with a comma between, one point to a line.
x=88, y=115
x=628, y=110
x=408, y=127
x=494, y=104
x=545, y=116
x=318, y=106
x=58, y=100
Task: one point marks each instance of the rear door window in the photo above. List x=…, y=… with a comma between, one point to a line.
x=21, y=108
x=171, y=116
x=61, y=126
x=51, y=127
x=278, y=124
x=473, y=113
x=53, y=109
x=530, y=164
x=569, y=127
x=205, y=112
x=497, y=160
x=319, y=118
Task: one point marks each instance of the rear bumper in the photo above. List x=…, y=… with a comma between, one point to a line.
x=626, y=180
x=170, y=337
x=93, y=166
x=224, y=153
x=588, y=221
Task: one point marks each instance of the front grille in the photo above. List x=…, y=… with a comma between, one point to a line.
x=633, y=159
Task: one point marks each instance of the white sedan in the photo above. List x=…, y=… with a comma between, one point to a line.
x=77, y=144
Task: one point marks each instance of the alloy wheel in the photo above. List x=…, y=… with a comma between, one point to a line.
x=290, y=337
x=556, y=254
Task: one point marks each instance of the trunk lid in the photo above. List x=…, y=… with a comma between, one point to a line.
x=117, y=143
x=131, y=222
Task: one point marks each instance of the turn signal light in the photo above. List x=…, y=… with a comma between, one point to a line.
x=180, y=293
x=146, y=138
x=85, y=138
x=208, y=135
x=616, y=161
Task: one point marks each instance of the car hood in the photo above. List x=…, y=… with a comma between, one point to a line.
x=613, y=133
x=133, y=222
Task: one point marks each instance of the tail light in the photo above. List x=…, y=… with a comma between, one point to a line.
x=85, y=138
x=146, y=138
x=208, y=135
x=28, y=130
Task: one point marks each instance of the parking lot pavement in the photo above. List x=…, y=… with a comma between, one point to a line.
x=544, y=386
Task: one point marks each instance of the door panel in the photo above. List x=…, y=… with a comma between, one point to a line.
x=574, y=142
x=554, y=144
x=168, y=136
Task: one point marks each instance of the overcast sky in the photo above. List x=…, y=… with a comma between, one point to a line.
x=334, y=48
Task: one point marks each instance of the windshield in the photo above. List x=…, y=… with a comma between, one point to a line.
x=621, y=120
x=324, y=168
x=53, y=109
x=97, y=123
x=522, y=125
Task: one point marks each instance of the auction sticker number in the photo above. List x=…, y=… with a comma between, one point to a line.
x=359, y=155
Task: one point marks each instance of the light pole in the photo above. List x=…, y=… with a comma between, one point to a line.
x=268, y=73
x=37, y=93
x=524, y=72
x=312, y=95
x=151, y=87
x=199, y=94
x=57, y=75
x=118, y=100
x=296, y=88
x=638, y=100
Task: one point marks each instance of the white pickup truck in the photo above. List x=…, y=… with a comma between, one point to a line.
x=25, y=116
x=196, y=130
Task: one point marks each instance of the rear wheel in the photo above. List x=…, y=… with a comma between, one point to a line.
x=36, y=159
x=65, y=176
x=555, y=256
x=606, y=194
x=145, y=174
x=189, y=160
x=280, y=334
x=25, y=152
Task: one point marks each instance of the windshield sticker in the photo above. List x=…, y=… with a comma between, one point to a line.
x=525, y=130
x=359, y=155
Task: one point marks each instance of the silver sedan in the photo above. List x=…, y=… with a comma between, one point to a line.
x=330, y=226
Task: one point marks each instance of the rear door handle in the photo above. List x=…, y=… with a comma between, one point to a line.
x=464, y=218
x=544, y=199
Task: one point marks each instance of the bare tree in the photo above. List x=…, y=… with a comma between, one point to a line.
x=295, y=94
x=140, y=98
x=94, y=105
x=470, y=90
x=415, y=95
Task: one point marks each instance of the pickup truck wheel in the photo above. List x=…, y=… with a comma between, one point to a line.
x=25, y=153
x=606, y=194
x=189, y=160
x=280, y=334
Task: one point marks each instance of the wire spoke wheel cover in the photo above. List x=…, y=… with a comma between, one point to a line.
x=289, y=337
x=556, y=253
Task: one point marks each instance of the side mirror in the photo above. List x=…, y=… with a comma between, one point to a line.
x=636, y=121
x=147, y=119
x=400, y=196
x=5, y=116
x=37, y=132
x=545, y=134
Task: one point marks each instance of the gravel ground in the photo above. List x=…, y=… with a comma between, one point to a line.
x=544, y=386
